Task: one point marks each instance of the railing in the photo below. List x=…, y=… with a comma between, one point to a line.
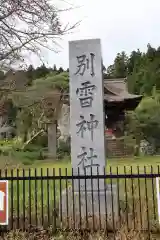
x=55, y=198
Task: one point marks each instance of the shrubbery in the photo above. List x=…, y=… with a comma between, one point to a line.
x=13, y=149
x=64, y=149
x=37, y=150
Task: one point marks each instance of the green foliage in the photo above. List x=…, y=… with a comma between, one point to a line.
x=63, y=149
x=42, y=71
x=2, y=75
x=53, y=81
x=141, y=69
x=28, y=156
x=42, y=88
x=149, y=118
x=133, y=127
x=41, y=140
x=35, y=108
x=7, y=146
x=119, y=68
x=143, y=77
x=144, y=122
x=22, y=155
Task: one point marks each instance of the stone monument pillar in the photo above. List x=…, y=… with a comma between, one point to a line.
x=87, y=131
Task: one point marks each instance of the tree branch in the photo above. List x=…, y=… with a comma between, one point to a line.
x=28, y=25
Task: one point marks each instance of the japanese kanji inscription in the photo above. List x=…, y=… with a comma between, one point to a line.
x=86, y=159
x=85, y=94
x=84, y=125
x=85, y=63
x=86, y=106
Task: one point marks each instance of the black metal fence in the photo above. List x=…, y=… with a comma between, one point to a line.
x=53, y=198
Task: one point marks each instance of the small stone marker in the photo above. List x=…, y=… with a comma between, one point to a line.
x=87, y=123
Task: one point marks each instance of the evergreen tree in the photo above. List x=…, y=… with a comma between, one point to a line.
x=54, y=68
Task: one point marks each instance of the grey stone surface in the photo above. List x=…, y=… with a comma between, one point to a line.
x=64, y=122
x=90, y=203
x=87, y=134
x=84, y=49
x=52, y=140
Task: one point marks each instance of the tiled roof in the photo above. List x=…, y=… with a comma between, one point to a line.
x=115, y=90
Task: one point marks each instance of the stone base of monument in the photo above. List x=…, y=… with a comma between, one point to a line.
x=95, y=209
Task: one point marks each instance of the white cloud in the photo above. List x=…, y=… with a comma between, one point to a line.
x=121, y=25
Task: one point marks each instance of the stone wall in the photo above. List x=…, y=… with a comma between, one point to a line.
x=117, y=148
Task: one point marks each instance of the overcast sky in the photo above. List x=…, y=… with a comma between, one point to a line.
x=122, y=25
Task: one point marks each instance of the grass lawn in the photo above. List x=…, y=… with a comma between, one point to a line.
x=37, y=198
x=112, y=164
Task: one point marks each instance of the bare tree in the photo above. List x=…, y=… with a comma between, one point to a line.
x=28, y=25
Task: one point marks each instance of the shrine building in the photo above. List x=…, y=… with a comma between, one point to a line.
x=117, y=100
